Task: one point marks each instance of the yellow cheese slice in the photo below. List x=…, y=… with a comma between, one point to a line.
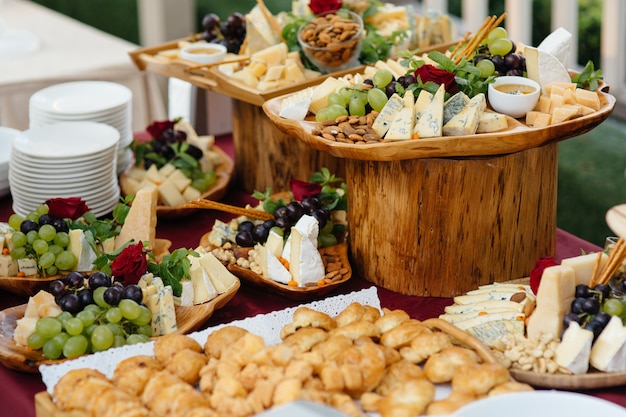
x=140, y=223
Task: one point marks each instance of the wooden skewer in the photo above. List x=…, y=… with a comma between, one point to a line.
x=476, y=40
x=212, y=64
x=616, y=259
x=460, y=44
x=214, y=205
x=596, y=270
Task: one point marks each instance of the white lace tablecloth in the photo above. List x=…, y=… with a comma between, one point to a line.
x=68, y=50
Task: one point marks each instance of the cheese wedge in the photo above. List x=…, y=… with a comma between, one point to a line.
x=608, y=353
x=221, y=277
x=574, y=350
x=558, y=43
x=305, y=262
x=430, y=123
x=466, y=121
x=402, y=126
x=544, y=68
x=140, y=223
x=484, y=306
x=82, y=250
x=387, y=115
x=583, y=266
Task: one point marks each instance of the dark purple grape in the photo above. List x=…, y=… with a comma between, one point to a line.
x=210, y=22
x=244, y=238
x=167, y=136
x=45, y=219
x=159, y=147
x=569, y=318
x=577, y=305
x=603, y=290
x=295, y=211
x=70, y=303
x=310, y=204
x=326, y=211
x=57, y=288
x=133, y=292
x=28, y=225
x=513, y=61
x=391, y=88
x=208, y=36
x=85, y=296
x=194, y=151
x=284, y=223
x=591, y=305
x=118, y=284
x=514, y=72
x=280, y=212
x=180, y=135
x=321, y=217
x=75, y=279
x=582, y=291
x=112, y=295
x=603, y=318
x=236, y=20
x=246, y=225
x=269, y=223
x=596, y=327
x=406, y=80
x=368, y=81
x=233, y=45
x=498, y=63
x=60, y=225
x=99, y=279
x=260, y=233
x=226, y=30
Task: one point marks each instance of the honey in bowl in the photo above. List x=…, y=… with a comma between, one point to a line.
x=204, y=51
x=515, y=89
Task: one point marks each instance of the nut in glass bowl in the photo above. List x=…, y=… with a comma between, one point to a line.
x=332, y=41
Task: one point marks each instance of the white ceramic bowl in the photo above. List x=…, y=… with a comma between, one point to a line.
x=204, y=53
x=513, y=96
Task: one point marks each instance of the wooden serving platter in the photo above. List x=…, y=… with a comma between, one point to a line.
x=517, y=137
x=224, y=172
x=24, y=359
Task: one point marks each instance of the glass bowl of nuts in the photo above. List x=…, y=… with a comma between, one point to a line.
x=332, y=41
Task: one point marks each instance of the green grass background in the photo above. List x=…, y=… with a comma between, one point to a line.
x=591, y=167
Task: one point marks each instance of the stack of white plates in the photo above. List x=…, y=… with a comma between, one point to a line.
x=94, y=101
x=70, y=159
x=6, y=140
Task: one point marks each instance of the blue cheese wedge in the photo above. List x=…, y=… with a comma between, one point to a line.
x=466, y=121
x=492, y=331
x=385, y=118
x=423, y=100
x=574, y=351
x=8, y=266
x=608, y=353
x=430, y=124
x=402, y=126
x=454, y=105
x=492, y=122
x=163, y=311
x=27, y=266
x=484, y=306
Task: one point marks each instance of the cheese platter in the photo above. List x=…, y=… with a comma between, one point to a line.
x=25, y=359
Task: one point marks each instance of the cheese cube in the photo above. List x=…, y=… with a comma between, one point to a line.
x=153, y=174
x=28, y=266
x=166, y=170
x=8, y=266
x=170, y=194
x=588, y=98
x=179, y=179
x=190, y=194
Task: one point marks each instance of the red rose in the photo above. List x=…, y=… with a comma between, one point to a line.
x=302, y=189
x=130, y=264
x=324, y=6
x=537, y=271
x=156, y=128
x=429, y=72
x=66, y=208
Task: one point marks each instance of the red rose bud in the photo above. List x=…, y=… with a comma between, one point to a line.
x=130, y=264
x=537, y=271
x=302, y=189
x=66, y=208
x=156, y=128
x=429, y=72
x=324, y=6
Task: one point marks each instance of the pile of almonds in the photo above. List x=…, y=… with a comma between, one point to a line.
x=333, y=33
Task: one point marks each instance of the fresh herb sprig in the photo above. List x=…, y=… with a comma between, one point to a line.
x=588, y=78
x=172, y=268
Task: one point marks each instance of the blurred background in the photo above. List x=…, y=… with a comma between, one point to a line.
x=591, y=167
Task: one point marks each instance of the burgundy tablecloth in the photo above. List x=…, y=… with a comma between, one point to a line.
x=18, y=389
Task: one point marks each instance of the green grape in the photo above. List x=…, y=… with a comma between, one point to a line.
x=200, y=184
x=486, y=67
x=87, y=317
x=55, y=249
x=65, y=261
x=102, y=337
x=18, y=253
x=63, y=317
x=47, y=232
x=116, y=328
x=33, y=216
x=74, y=326
x=52, y=349
x=61, y=338
x=89, y=217
x=129, y=309
x=144, y=318
x=119, y=340
x=36, y=341
x=62, y=239
x=15, y=221
x=377, y=98
x=88, y=330
x=382, y=77
x=346, y=93
x=356, y=107
x=500, y=46
x=210, y=177
x=322, y=115
x=613, y=307
x=46, y=260
x=336, y=111
x=40, y=246
x=145, y=330
x=32, y=236
x=113, y=315
x=137, y=338
x=18, y=239
x=94, y=309
x=52, y=270
x=496, y=33
x=75, y=346
x=42, y=209
x=98, y=297
x=336, y=98
x=48, y=327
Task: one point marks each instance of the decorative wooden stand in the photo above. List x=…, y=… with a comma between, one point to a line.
x=443, y=226
x=266, y=157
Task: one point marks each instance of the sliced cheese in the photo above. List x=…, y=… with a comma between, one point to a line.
x=454, y=105
x=140, y=223
x=430, y=123
x=305, y=262
x=387, y=115
x=203, y=288
x=483, y=306
x=608, y=353
x=584, y=265
x=402, y=126
x=492, y=331
x=574, y=350
x=186, y=298
x=82, y=250
x=221, y=277
x=466, y=121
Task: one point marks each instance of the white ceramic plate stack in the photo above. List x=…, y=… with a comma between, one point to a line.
x=94, y=101
x=6, y=140
x=70, y=159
